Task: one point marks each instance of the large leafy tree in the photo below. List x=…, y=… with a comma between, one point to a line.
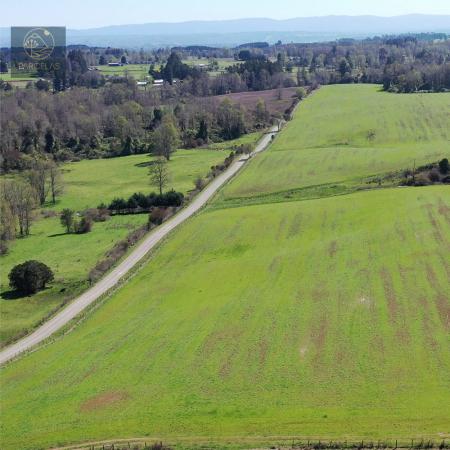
x=175, y=68
x=30, y=277
x=166, y=138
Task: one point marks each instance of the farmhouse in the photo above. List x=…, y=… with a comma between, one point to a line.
x=114, y=64
x=158, y=82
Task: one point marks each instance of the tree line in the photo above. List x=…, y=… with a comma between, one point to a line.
x=408, y=63
x=116, y=118
x=387, y=60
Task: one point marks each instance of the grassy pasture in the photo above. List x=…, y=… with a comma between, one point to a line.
x=7, y=76
x=344, y=133
x=15, y=81
x=326, y=318
x=223, y=62
x=137, y=71
x=88, y=183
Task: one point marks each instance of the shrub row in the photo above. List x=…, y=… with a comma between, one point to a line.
x=218, y=168
x=140, y=202
x=428, y=174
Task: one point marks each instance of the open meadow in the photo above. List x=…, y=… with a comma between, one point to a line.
x=345, y=133
x=137, y=71
x=324, y=318
x=87, y=184
x=90, y=182
x=221, y=64
x=140, y=71
x=15, y=81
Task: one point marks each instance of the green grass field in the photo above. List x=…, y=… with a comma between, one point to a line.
x=87, y=184
x=16, y=81
x=7, y=76
x=137, y=71
x=140, y=71
x=223, y=62
x=373, y=133
x=324, y=319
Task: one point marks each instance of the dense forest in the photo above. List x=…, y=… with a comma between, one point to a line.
x=402, y=64
x=115, y=120
x=88, y=114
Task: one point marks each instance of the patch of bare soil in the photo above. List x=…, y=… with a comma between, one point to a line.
x=277, y=101
x=332, y=249
x=104, y=400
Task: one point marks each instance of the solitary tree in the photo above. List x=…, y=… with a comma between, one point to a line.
x=261, y=113
x=30, y=277
x=38, y=178
x=165, y=138
x=55, y=181
x=159, y=174
x=175, y=68
x=67, y=219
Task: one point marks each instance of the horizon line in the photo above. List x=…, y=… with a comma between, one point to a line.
x=243, y=19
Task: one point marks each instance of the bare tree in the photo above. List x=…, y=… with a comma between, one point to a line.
x=159, y=174
x=55, y=181
x=21, y=199
x=262, y=115
x=38, y=178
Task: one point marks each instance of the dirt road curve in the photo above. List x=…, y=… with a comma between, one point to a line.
x=109, y=281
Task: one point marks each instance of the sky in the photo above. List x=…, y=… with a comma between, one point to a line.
x=97, y=13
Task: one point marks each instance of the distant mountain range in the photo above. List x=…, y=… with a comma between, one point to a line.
x=234, y=32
